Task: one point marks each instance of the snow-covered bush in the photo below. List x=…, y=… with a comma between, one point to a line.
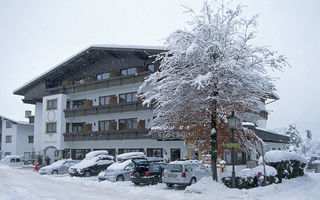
x=248, y=178
x=288, y=164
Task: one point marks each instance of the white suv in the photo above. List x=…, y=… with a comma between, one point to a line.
x=184, y=172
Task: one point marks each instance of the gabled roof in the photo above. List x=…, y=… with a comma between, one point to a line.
x=62, y=65
x=15, y=121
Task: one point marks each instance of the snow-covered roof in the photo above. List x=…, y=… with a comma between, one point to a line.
x=15, y=121
x=19, y=91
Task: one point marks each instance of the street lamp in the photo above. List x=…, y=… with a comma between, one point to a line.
x=233, y=123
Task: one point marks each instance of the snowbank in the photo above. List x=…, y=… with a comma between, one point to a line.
x=278, y=156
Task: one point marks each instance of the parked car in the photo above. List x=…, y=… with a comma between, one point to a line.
x=184, y=173
x=118, y=171
x=58, y=167
x=146, y=172
x=310, y=165
x=12, y=161
x=92, y=165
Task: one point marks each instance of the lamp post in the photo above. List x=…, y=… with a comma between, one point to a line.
x=233, y=123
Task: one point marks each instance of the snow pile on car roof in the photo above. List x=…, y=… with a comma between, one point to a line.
x=279, y=156
x=131, y=155
x=94, y=160
x=270, y=171
x=119, y=165
x=92, y=154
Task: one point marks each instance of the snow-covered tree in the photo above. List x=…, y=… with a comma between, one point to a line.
x=210, y=70
x=295, y=138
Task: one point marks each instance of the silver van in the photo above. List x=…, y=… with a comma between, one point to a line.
x=184, y=172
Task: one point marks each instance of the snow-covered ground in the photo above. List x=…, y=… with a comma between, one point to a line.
x=23, y=184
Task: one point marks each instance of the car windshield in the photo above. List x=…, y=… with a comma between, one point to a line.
x=140, y=161
x=174, y=168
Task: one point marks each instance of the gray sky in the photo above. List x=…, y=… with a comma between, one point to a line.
x=36, y=35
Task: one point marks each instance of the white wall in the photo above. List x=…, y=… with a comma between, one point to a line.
x=23, y=145
x=9, y=147
x=38, y=132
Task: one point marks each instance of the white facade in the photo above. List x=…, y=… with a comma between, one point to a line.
x=17, y=138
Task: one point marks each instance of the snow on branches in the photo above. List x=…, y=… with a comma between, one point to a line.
x=211, y=69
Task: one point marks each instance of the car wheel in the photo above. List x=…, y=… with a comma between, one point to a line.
x=120, y=178
x=169, y=185
x=192, y=181
x=87, y=174
x=54, y=172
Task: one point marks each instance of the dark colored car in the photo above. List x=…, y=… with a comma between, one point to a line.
x=92, y=165
x=146, y=172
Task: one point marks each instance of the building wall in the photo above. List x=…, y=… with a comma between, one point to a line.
x=38, y=128
x=9, y=147
x=23, y=145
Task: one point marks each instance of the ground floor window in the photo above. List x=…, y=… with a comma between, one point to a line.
x=175, y=154
x=79, y=154
x=155, y=152
x=121, y=151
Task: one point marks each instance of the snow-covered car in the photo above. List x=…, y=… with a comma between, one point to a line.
x=59, y=167
x=92, y=165
x=12, y=161
x=118, y=171
x=184, y=172
x=130, y=155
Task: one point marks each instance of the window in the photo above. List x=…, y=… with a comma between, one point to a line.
x=26, y=155
x=107, y=125
x=128, y=97
x=129, y=71
x=67, y=127
x=7, y=153
x=151, y=67
x=154, y=152
x=79, y=81
x=175, y=154
x=8, y=139
x=77, y=127
x=30, y=139
x=52, y=104
x=103, y=76
x=79, y=154
x=51, y=127
x=107, y=100
x=8, y=124
x=78, y=104
x=127, y=124
x=121, y=151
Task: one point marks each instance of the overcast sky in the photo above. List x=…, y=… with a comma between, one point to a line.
x=36, y=35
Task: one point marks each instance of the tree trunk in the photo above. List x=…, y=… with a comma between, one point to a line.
x=214, y=147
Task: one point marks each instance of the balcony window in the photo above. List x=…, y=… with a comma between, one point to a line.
x=79, y=81
x=107, y=100
x=8, y=139
x=52, y=104
x=151, y=67
x=129, y=71
x=51, y=127
x=127, y=124
x=78, y=104
x=128, y=97
x=77, y=127
x=103, y=76
x=107, y=125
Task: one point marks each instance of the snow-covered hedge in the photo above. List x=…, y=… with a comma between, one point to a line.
x=248, y=178
x=288, y=164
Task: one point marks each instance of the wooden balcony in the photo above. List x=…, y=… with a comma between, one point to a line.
x=106, y=109
x=99, y=84
x=130, y=134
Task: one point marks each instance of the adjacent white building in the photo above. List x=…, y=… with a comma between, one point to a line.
x=89, y=102
x=16, y=138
